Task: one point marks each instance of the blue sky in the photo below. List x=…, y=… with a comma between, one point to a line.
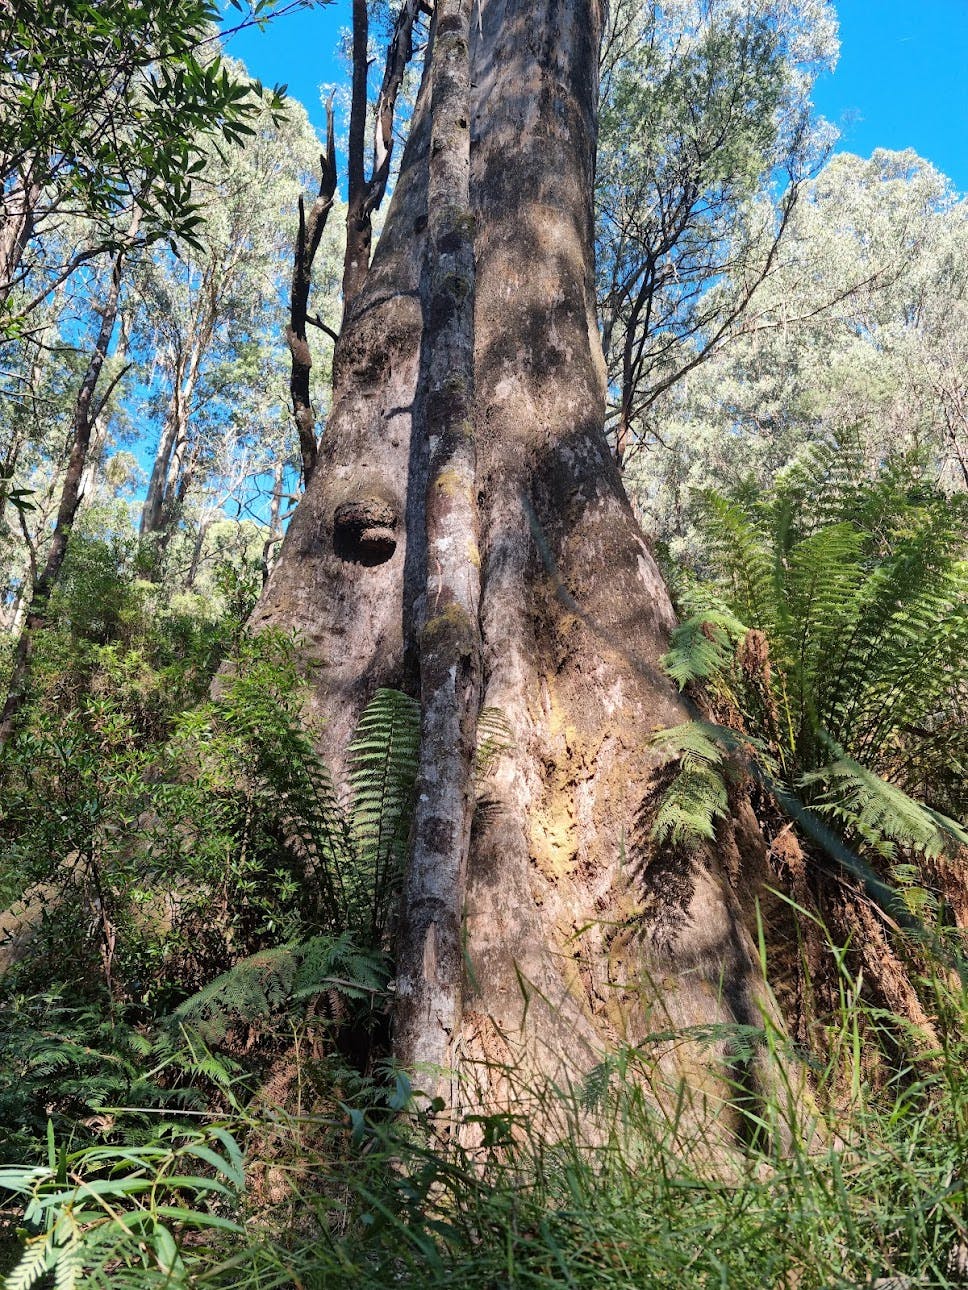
x=902, y=81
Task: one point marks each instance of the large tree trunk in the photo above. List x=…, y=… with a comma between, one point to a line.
x=578, y=934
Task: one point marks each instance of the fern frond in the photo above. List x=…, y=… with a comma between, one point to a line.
x=703, y=647
x=382, y=774
x=697, y=796
x=494, y=736
x=743, y=555
x=858, y=798
x=269, y=982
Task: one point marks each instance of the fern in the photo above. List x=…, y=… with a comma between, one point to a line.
x=880, y=812
x=382, y=773
x=745, y=557
x=697, y=796
x=350, y=844
x=260, y=792
x=861, y=591
x=703, y=647
x=272, y=981
x=256, y=712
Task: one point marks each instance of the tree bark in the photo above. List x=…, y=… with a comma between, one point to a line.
x=17, y=226
x=577, y=933
x=166, y=486
x=359, y=226
x=429, y=967
x=366, y=195
x=308, y=237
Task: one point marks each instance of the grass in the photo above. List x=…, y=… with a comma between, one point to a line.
x=359, y=1196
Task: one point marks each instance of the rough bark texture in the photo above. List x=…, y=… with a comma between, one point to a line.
x=429, y=965
x=343, y=590
x=366, y=195
x=577, y=932
x=359, y=226
x=17, y=225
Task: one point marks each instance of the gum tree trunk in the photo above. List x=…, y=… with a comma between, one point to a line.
x=429, y=966
x=577, y=934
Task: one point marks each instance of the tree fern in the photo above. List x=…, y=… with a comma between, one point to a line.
x=703, y=647
x=260, y=789
x=745, y=559
x=856, y=686
x=697, y=796
x=273, y=981
x=350, y=844
x=880, y=812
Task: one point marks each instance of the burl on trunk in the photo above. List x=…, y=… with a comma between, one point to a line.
x=577, y=934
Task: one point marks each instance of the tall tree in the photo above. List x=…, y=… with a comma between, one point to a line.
x=87, y=408
x=577, y=932
x=202, y=309
x=706, y=113
x=860, y=331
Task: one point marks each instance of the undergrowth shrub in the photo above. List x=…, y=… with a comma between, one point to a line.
x=157, y=841
x=624, y=1195
x=823, y=654
x=830, y=636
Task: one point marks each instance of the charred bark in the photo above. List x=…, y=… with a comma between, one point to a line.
x=366, y=195
x=308, y=237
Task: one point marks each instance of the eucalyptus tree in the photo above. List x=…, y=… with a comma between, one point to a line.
x=707, y=133
x=48, y=551
x=861, y=331
x=105, y=108
x=563, y=929
x=203, y=311
x=365, y=194
x=232, y=241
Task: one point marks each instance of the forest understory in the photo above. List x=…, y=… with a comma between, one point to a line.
x=483, y=617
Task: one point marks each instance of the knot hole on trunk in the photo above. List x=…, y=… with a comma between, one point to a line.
x=365, y=530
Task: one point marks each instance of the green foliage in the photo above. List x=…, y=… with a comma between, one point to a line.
x=697, y=797
x=120, y=1216
x=860, y=327
x=615, y=1194
x=275, y=980
x=182, y=858
x=687, y=217
x=835, y=627
x=381, y=778
x=703, y=646
x=63, y=1061
x=110, y=104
